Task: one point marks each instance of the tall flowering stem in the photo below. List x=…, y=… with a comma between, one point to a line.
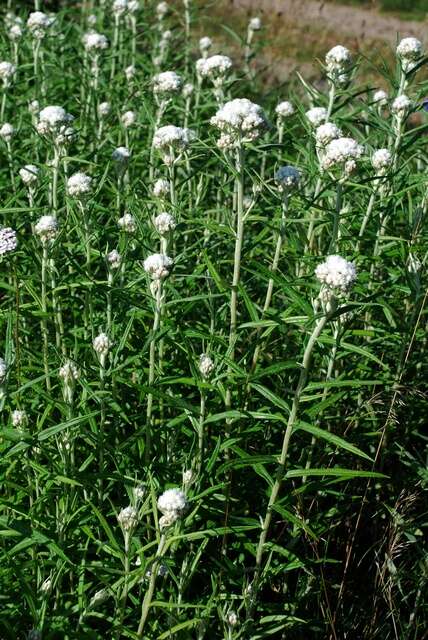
x=45, y=333
x=151, y=588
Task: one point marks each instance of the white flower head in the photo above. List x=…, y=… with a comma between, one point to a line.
x=206, y=365
x=128, y=518
x=327, y=132
x=99, y=598
x=94, y=42
x=173, y=502
x=79, y=185
x=336, y=273
x=172, y=141
x=53, y=119
x=240, y=120
x=205, y=44
x=164, y=223
x=380, y=97
x=316, y=116
x=103, y=109
x=232, y=619
x=161, y=188
x=381, y=160
x=8, y=241
x=101, y=344
x=46, y=228
x=119, y=8
x=19, y=418
x=342, y=153
x=69, y=372
x=188, y=477
x=7, y=71
x=29, y=174
x=215, y=68
x=128, y=119
x=401, y=106
x=162, y=9
x=38, y=24
x=46, y=586
x=188, y=89
x=121, y=155
x=255, y=24
x=167, y=82
x=287, y=178
x=409, y=51
x=130, y=72
x=7, y=131
x=284, y=109
x=114, y=259
x=92, y=20
x=127, y=223
x=133, y=6
x=338, y=60
x=15, y=32
x=158, y=265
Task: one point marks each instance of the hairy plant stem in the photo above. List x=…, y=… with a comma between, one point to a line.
x=336, y=219
x=304, y=372
x=149, y=593
x=55, y=167
x=201, y=432
x=45, y=334
x=124, y=594
x=152, y=360
x=114, y=46
x=102, y=370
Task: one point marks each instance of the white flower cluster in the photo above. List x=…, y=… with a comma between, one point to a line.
x=79, y=185
x=101, y=344
x=255, y=24
x=342, y=154
x=8, y=241
x=114, y=259
x=121, y=155
x=94, y=42
x=206, y=365
x=188, y=90
x=380, y=98
x=215, y=68
x=127, y=223
x=7, y=71
x=54, y=120
x=19, y=418
x=239, y=121
x=409, y=51
x=38, y=24
x=103, y=109
x=205, y=44
x=338, y=63
x=14, y=25
x=162, y=9
x=327, y=132
x=171, y=142
x=164, y=223
x=287, y=178
x=381, y=161
x=166, y=83
x=29, y=174
x=69, y=372
x=46, y=228
x=337, y=273
x=401, y=106
x=161, y=188
x=284, y=109
x=130, y=72
x=128, y=519
x=128, y=119
x=119, y=8
x=7, y=131
x=172, y=504
x=158, y=265
x=316, y=116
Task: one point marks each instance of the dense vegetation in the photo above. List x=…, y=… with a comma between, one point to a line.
x=213, y=318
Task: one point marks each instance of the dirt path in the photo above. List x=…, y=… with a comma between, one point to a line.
x=347, y=20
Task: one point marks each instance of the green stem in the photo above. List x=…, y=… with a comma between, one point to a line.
x=149, y=593
x=44, y=318
x=152, y=359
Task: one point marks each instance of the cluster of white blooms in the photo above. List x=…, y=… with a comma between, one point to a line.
x=239, y=121
x=19, y=418
x=99, y=598
x=206, y=365
x=8, y=241
x=338, y=63
x=29, y=174
x=133, y=6
x=46, y=228
x=3, y=370
x=232, y=619
x=127, y=223
x=128, y=119
x=139, y=492
x=287, y=178
x=410, y=51
x=327, y=132
x=188, y=89
x=255, y=24
x=166, y=83
x=7, y=71
x=119, y=8
x=103, y=109
x=101, y=344
x=170, y=140
x=114, y=259
x=316, y=116
x=130, y=72
x=205, y=44
x=53, y=120
x=7, y=131
x=173, y=505
x=38, y=24
x=15, y=32
x=337, y=273
x=79, y=185
x=128, y=518
x=284, y=109
x=215, y=68
x=121, y=155
x=46, y=586
x=162, y=9
x=380, y=97
x=381, y=161
x=94, y=42
x=69, y=372
x=401, y=106
x=158, y=266
x=342, y=153
x=188, y=477
x=34, y=107
x=164, y=223
x=161, y=188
